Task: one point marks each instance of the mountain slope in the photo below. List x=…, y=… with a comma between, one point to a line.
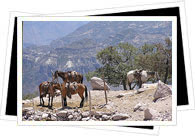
x=77, y=51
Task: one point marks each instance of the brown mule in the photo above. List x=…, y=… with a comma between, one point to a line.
x=73, y=88
x=69, y=76
x=50, y=89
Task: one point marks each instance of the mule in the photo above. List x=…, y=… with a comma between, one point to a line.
x=141, y=76
x=50, y=89
x=74, y=88
x=69, y=76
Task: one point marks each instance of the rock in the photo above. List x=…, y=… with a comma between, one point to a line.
x=149, y=85
x=141, y=90
x=44, y=116
x=62, y=114
x=105, y=117
x=149, y=114
x=138, y=107
x=98, y=84
x=86, y=119
x=85, y=114
x=120, y=117
x=70, y=117
x=25, y=102
x=120, y=95
x=37, y=118
x=27, y=109
x=162, y=90
x=97, y=115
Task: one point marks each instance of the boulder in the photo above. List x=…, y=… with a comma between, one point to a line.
x=162, y=90
x=86, y=119
x=85, y=114
x=118, y=116
x=120, y=95
x=62, y=114
x=141, y=90
x=154, y=85
x=70, y=117
x=98, y=84
x=44, y=116
x=105, y=117
x=149, y=114
x=138, y=107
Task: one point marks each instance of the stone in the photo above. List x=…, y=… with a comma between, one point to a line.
x=149, y=114
x=162, y=90
x=37, y=118
x=85, y=114
x=137, y=107
x=118, y=116
x=70, y=117
x=98, y=84
x=105, y=117
x=86, y=119
x=120, y=95
x=44, y=116
x=154, y=85
x=62, y=114
x=141, y=90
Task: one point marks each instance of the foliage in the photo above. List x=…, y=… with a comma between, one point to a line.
x=118, y=60
x=30, y=95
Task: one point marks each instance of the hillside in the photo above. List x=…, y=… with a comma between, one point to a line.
x=77, y=50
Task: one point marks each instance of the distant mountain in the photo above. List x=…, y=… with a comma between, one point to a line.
x=77, y=50
x=43, y=32
x=112, y=33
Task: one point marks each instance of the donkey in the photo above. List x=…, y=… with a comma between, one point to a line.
x=69, y=76
x=50, y=89
x=74, y=88
x=141, y=76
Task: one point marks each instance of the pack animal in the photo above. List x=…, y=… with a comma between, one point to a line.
x=140, y=76
x=74, y=88
x=50, y=89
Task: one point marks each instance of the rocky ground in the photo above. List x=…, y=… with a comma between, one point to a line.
x=130, y=105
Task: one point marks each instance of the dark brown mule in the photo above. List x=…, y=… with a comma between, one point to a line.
x=69, y=76
x=50, y=89
x=73, y=88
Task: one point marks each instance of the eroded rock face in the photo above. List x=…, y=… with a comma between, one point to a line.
x=162, y=90
x=98, y=84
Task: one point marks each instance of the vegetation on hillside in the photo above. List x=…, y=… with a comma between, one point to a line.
x=118, y=60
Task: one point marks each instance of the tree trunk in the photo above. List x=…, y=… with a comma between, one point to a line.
x=167, y=70
x=124, y=85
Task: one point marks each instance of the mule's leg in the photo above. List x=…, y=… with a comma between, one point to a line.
x=65, y=102
x=49, y=101
x=62, y=99
x=40, y=101
x=129, y=86
x=82, y=98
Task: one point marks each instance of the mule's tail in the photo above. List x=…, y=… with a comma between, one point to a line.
x=86, y=93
